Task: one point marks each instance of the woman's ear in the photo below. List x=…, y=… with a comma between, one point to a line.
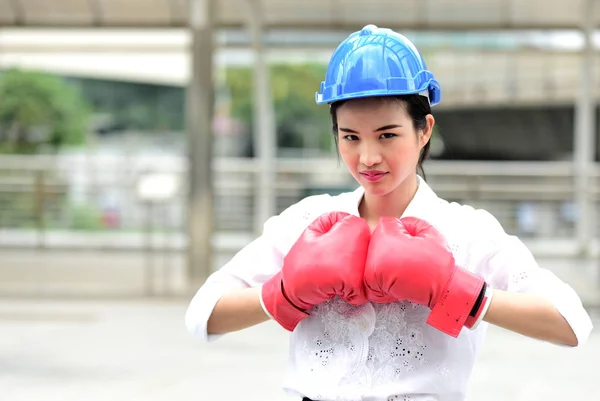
x=426, y=134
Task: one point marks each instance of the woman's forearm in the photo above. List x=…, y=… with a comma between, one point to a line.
x=236, y=311
x=529, y=315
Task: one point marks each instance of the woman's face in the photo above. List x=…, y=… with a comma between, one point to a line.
x=378, y=142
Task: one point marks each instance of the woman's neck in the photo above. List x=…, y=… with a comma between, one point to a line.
x=372, y=207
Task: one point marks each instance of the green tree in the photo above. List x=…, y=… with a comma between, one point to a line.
x=39, y=109
x=293, y=88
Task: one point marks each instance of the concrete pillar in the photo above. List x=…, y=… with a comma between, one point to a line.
x=200, y=105
x=265, y=139
x=584, y=136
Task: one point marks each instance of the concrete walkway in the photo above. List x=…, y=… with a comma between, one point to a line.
x=140, y=351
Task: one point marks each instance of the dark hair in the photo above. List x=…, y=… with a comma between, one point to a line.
x=416, y=106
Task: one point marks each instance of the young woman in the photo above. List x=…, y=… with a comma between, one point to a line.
x=387, y=290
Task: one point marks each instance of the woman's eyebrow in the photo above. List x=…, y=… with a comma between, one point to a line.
x=384, y=128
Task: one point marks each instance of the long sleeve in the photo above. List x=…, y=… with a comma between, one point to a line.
x=507, y=264
x=250, y=267
x=255, y=263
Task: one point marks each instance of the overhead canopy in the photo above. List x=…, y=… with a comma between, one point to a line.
x=305, y=14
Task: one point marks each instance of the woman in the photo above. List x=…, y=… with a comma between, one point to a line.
x=388, y=290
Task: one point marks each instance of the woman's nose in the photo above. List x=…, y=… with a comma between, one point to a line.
x=370, y=156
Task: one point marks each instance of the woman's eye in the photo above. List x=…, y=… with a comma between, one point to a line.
x=351, y=138
x=387, y=136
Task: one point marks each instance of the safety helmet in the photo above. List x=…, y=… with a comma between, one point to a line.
x=377, y=62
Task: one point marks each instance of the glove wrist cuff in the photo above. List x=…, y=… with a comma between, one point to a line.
x=452, y=309
x=478, y=314
x=278, y=306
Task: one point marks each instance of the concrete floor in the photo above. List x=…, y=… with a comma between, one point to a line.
x=140, y=350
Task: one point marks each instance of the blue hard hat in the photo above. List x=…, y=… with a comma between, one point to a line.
x=377, y=62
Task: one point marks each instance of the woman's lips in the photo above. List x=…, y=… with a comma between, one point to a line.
x=373, y=175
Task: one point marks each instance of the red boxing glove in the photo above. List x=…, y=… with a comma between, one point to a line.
x=409, y=260
x=327, y=260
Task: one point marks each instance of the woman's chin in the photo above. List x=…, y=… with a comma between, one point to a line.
x=376, y=189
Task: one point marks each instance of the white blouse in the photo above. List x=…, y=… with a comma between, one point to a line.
x=380, y=352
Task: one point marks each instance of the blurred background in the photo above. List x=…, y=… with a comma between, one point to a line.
x=144, y=142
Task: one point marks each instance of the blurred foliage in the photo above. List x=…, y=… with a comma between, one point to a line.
x=17, y=210
x=85, y=217
x=293, y=89
x=39, y=110
x=19, y=207
x=137, y=106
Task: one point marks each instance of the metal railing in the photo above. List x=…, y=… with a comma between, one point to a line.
x=93, y=201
